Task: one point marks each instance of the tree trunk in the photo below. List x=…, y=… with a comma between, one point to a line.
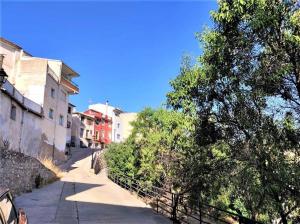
x=283, y=217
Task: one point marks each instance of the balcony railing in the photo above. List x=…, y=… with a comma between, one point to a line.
x=70, y=85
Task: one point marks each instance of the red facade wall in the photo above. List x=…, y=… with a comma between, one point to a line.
x=102, y=126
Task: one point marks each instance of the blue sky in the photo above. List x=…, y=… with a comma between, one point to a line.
x=126, y=52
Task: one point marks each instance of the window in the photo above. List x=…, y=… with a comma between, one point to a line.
x=69, y=110
x=69, y=124
x=63, y=96
x=52, y=93
x=51, y=112
x=87, y=133
x=97, y=135
x=61, y=120
x=118, y=125
x=13, y=112
x=89, y=122
x=118, y=136
x=81, y=132
x=82, y=118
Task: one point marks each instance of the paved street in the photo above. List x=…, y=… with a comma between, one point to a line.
x=85, y=198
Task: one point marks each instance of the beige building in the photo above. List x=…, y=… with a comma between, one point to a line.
x=46, y=82
x=126, y=120
x=82, y=130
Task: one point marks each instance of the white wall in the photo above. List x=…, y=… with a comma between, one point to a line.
x=10, y=63
x=23, y=133
x=126, y=119
x=117, y=128
x=56, y=134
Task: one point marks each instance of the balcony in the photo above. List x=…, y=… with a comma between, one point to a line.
x=70, y=86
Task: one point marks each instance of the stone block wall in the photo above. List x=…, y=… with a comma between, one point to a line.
x=21, y=173
x=99, y=162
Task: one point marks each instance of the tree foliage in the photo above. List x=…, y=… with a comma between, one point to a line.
x=244, y=90
x=157, y=143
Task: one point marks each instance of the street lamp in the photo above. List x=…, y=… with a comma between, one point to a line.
x=3, y=75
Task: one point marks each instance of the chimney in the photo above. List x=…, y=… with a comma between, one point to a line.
x=106, y=108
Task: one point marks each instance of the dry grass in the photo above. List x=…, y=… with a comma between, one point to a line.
x=48, y=163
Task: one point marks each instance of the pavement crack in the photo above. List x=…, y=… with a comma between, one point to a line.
x=60, y=196
x=76, y=205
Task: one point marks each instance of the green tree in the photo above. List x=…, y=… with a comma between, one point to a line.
x=155, y=150
x=244, y=95
x=120, y=159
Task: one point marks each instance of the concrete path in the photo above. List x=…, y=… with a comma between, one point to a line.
x=82, y=197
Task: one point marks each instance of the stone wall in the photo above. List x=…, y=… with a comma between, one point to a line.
x=99, y=161
x=21, y=173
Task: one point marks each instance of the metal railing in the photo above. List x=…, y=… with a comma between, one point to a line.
x=177, y=206
x=67, y=78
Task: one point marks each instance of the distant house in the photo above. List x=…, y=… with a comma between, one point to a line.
x=121, y=121
x=82, y=130
x=102, y=128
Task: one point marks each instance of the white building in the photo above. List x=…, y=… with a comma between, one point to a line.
x=82, y=129
x=121, y=127
x=48, y=83
x=20, y=121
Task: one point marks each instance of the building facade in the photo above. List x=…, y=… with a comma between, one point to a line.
x=20, y=121
x=71, y=108
x=48, y=83
x=113, y=113
x=121, y=121
x=126, y=127
x=82, y=130
x=102, y=128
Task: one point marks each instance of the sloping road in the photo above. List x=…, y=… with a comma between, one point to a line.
x=82, y=197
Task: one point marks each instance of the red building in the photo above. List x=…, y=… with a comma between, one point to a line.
x=102, y=128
